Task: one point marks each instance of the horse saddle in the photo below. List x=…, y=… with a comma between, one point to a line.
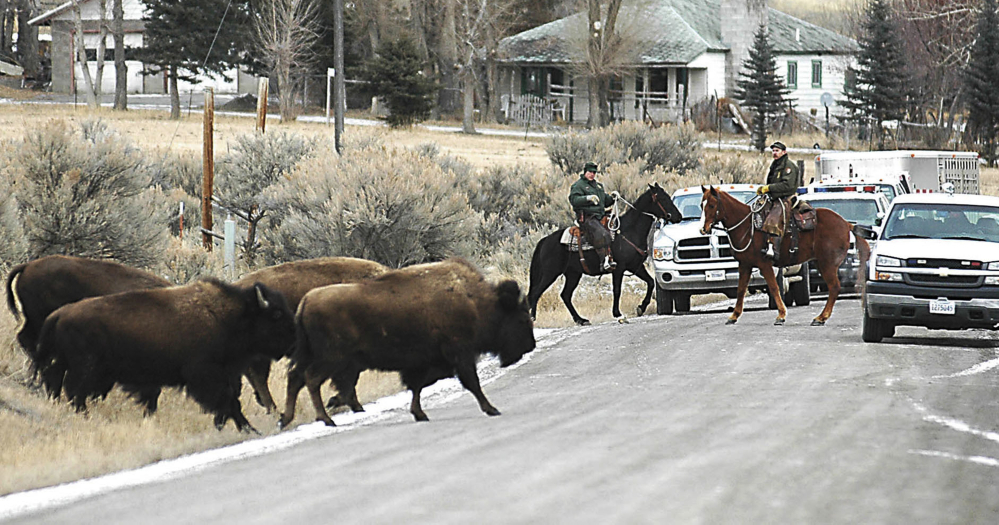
x=574, y=238
x=804, y=215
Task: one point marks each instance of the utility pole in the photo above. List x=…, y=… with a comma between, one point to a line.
x=339, y=95
x=208, y=173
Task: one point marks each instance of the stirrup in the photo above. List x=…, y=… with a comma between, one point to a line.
x=770, y=253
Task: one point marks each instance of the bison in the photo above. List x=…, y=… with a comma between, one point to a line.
x=294, y=280
x=45, y=284
x=427, y=321
x=200, y=336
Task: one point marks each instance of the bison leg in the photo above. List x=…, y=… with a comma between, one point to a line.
x=469, y=378
x=346, y=387
x=147, y=396
x=414, y=406
x=217, y=391
x=257, y=374
x=296, y=380
x=317, y=401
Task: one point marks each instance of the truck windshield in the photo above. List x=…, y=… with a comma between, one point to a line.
x=943, y=221
x=857, y=211
x=689, y=204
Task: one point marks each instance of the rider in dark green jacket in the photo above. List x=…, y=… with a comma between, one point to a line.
x=782, y=182
x=589, y=204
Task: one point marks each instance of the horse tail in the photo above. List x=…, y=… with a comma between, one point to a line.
x=864, y=250
x=535, y=272
x=11, y=304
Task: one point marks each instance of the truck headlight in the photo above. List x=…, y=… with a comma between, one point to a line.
x=992, y=280
x=887, y=276
x=887, y=261
x=663, y=252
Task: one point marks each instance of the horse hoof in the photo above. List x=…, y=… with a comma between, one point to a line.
x=816, y=322
x=779, y=322
x=731, y=321
x=640, y=311
x=583, y=322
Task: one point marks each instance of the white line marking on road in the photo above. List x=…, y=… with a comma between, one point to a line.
x=981, y=460
x=437, y=394
x=956, y=424
x=977, y=369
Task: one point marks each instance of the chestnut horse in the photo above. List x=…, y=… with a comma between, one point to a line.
x=827, y=245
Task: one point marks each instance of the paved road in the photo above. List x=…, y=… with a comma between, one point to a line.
x=674, y=419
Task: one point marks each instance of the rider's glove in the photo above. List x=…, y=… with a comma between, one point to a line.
x=593, y=199
x=615, y=195
x=762, y=189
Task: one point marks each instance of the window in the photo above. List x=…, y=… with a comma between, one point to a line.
x=816, y=73
x=792, y=75
x=532, y=81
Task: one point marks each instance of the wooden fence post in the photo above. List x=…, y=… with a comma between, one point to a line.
x=262, y=87
x=208, y=173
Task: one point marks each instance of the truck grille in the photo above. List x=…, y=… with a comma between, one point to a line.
x=953, y=264
x=703, y=249
x=950, y=281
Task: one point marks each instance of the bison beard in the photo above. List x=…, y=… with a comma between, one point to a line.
x=428, y=322
x=200, y=337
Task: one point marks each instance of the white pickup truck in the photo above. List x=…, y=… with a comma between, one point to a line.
x=936, y=264
x=689, y=263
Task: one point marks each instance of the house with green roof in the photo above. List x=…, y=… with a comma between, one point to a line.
x=680, y=52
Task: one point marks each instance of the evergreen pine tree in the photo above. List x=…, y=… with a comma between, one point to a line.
x=880, y=89
x=179, y=34
x=760, y=89
x=396, y=74
x=981, y=82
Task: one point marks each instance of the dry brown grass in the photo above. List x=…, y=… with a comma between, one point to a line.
x=45, y=442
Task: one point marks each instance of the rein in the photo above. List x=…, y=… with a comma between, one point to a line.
x=616, y=219
x=752, y=227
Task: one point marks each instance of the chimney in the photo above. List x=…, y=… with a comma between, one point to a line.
x=739, y=21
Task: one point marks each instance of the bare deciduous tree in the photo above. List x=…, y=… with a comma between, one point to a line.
x=120, y=69
x=604, y=48
x=92, y=86
x=287, y=30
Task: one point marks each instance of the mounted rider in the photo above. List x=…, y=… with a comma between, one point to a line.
x=589, y=204
x=782, y=185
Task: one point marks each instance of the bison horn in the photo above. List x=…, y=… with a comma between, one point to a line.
x=261, y=299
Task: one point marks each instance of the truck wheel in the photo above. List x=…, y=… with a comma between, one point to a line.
x=801, y=290
x=887, y=329
x=664, y=301
x=873, y=329
x=682, y=302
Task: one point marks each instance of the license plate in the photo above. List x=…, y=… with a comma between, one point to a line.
x=714, y=275
x=942, y=306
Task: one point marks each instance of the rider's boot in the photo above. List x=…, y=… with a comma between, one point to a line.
x=608, y=263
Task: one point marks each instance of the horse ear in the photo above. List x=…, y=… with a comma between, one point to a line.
x=703, y=189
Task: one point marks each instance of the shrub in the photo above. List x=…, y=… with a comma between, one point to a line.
x=254, y=163
x=86, y=192
x=675, y=148
x=394, y=207
x=13, y=247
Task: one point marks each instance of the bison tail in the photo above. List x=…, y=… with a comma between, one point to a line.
x=11, y=302
x=303, y=351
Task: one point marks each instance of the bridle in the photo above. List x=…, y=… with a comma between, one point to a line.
x=716, y=222
x=655, y=199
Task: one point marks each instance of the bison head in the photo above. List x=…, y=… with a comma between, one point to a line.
x=272, y=322
x=515, y=330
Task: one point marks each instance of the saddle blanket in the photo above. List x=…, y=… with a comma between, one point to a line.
x=571, y=237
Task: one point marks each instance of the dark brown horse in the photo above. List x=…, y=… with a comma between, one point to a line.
x=630, y=248
x=827, y=245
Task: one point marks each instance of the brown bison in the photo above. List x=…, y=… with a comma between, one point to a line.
x=427, y=321
x=294, y=280
x=45, y=284
x=200, y=336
